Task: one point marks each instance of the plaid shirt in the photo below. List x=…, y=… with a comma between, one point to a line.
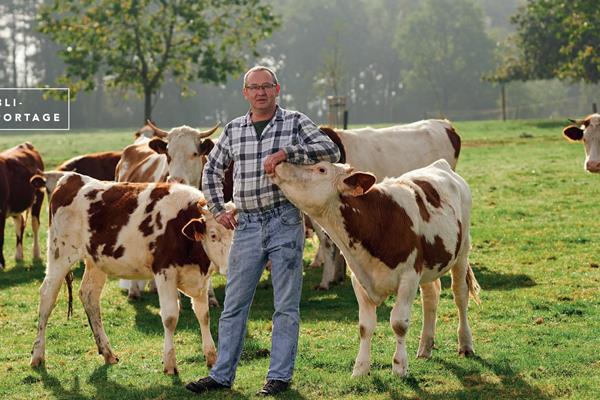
x=253, y=190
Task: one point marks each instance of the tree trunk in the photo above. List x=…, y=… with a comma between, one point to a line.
x=147, y=104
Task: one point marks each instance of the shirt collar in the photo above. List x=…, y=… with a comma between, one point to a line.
x=278, y=116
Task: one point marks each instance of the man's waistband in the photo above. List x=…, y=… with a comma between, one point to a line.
x=260, y=215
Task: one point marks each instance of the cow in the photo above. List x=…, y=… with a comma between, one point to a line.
x=175, y=156
x=588, y=132
x=390, y=151
x=17, y=166
x=99, y=166
x=396, y=235
x=133, y=231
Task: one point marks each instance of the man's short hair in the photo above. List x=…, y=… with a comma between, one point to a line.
x=260, y=68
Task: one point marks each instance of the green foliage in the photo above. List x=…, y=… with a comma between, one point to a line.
x=536, y=247
x=445, y=49
x=134, y=44
x=555, y=39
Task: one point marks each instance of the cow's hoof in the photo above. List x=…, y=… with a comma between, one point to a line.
x=171, y=371
x=134, y=296
x=425, y=348
x=211, y=358
x=321, y=287
x=400, y=367
x=360, y=369
x=213, y=302
x=36, y=361
x=466, y=352
x=110, y=359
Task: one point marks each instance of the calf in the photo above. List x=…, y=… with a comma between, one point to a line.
x=588, y=132
x=396, y=235
x=399, y=149
x=132, y=231
x=17, y=166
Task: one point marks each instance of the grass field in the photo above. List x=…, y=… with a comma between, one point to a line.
x=536, y=250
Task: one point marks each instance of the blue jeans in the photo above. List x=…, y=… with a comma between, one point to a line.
x=276, y=235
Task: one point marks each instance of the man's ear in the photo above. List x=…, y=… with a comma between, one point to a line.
x=573, y=133
x=195, y=229
x=358, y=183
x=158, y=145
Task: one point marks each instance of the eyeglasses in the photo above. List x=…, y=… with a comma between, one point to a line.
x=264, y=86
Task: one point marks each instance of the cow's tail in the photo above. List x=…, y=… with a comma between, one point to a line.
x=473, y=285
x=69, y=279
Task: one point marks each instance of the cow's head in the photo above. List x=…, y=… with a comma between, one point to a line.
x=588, y=132
x=314, y=188
x=185, y=149
x=216, y=239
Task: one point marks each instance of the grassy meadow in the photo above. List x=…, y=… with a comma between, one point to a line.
x=536, y=250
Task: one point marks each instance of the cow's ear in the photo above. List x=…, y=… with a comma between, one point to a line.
x=195, y=229
x=158, y=145
x=573, y=132
x=37, y=181
x=358, y=183
x=205, y=147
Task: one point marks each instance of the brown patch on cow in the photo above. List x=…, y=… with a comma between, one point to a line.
x=161, y=190
x=367, y=216
x=399, y=328
x=91, y=195
x=422, y=208
x=454, y=140
x=56, y=253
x=172, y=247
x=100, y=166
x=64, y=194
x=587, y=121
x=435, y=253
x=335, y=138
x=432, y=196
x=458, y=239
x=109, y=215
x=362, y=331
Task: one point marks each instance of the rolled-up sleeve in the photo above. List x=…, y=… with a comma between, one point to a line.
x=214, y=172
x=313, y=145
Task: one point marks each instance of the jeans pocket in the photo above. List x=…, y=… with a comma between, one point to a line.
x=242, y=223
x=291, y=217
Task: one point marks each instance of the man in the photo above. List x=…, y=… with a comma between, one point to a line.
x=268, y=226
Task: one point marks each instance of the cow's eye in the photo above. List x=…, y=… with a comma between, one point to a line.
x=195, y=154
x=321, y=170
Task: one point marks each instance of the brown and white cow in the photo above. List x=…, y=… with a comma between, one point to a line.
x=588, y=132
x=390, y=151
x=132, y=231
x=175, y=156
x=396, y=235
x=99, y=166
x=17, y=166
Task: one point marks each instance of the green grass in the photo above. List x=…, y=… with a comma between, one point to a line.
x=535, y=242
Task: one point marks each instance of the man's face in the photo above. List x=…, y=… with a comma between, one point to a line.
x=260, y=93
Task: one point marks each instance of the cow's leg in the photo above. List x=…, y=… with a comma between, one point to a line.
x=35, y=222
x=19, y=221
x=339, y=273
x=430, y=297
x=55, y=274
x=328, y=256
x=166, y=284
x=135, y=289
x=367, y=320
x=2, y=223
x=91, y=288
x=200, y=304
x=400, y=319
x=460, y=290
x=212, y=298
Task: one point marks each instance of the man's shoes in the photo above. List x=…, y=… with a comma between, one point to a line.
x=273, y=387
x=205, y=385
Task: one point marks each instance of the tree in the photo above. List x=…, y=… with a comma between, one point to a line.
x=135, y=44
x=444, y=47
x=555, y=39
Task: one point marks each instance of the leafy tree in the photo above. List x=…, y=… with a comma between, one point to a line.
x=135, y=44
x=444, y=47
x=555, y=39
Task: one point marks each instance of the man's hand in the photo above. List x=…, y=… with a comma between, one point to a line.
x=272, y=161
x=227, y=219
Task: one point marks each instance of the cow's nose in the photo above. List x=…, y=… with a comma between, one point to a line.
x=592, y=166
x=174, y=179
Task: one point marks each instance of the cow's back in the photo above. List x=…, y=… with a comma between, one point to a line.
x=395, y=150
x=139, y=163
x=97, y=165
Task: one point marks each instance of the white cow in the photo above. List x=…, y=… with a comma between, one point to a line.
x=131, y=231
x=588, y=132
x=390, y=151
x=396, y=235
